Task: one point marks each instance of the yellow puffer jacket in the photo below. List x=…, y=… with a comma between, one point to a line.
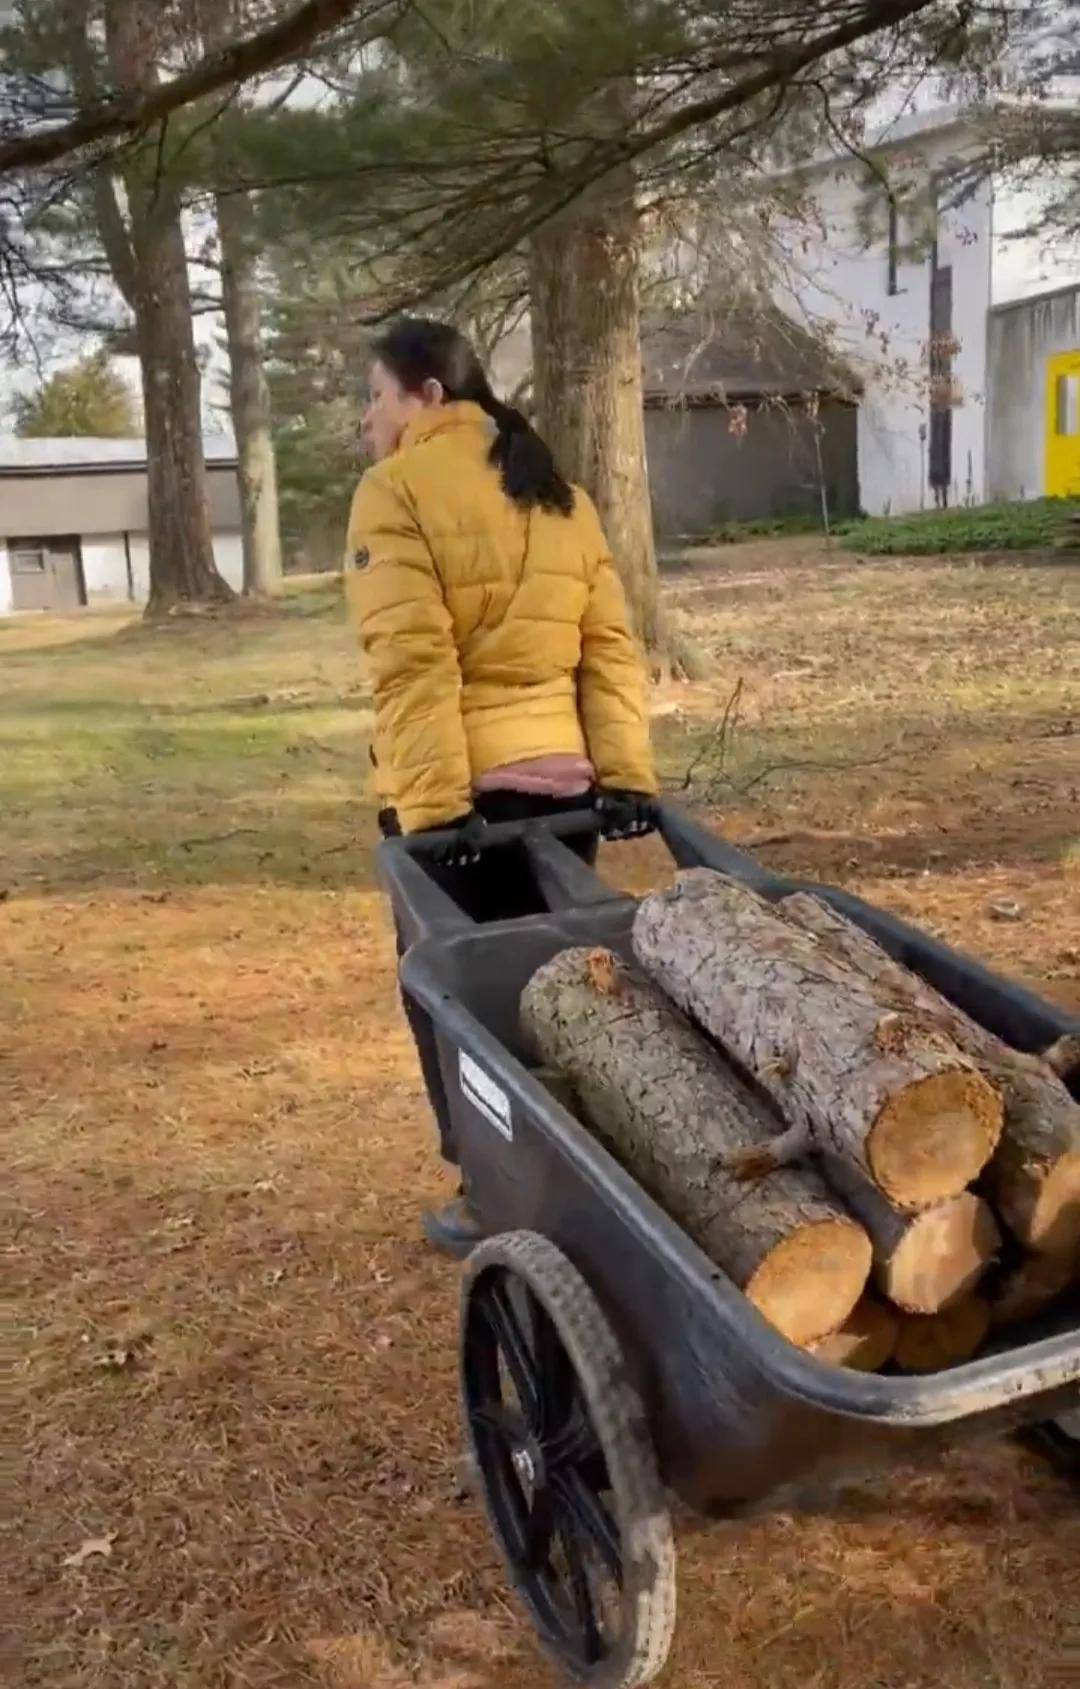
x=492, y=634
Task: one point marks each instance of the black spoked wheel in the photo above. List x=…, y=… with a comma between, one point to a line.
x=567, y=1467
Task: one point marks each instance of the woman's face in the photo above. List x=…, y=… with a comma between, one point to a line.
x=390, y=409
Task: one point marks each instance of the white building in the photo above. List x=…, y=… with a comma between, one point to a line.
x=907, y=282
x=73, y=521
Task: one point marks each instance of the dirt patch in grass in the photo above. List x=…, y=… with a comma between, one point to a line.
x=234, y=1361
x=910, y=730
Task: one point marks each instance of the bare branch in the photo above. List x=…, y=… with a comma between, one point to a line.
x=132, y=115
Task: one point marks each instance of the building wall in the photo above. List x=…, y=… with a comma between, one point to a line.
x=229, y=557
x=702, y=474
x=105, y=567
x=843, y=281
x=111, y=502
x=104, y=564
x=1021, y=337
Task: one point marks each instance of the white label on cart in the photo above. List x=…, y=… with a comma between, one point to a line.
x=484, y=1094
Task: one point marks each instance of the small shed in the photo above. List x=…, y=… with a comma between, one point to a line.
x=1033, y=397
x=746, y=417
x=74, y=523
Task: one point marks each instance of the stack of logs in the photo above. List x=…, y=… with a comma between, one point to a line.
x=817, y=1117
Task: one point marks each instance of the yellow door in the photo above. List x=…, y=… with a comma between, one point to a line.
x=1063, y=425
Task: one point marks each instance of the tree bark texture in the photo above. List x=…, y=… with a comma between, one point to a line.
x=672, y=1111
x=1034, y=1179
x=585, y=310
x=865, y=1342
x=888, y=1094
x=250, y=399
x=182, y=568
x=931, y=1342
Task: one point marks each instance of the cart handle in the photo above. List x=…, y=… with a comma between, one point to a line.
x=569, y=824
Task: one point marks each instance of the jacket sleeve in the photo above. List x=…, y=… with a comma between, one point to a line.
x=397, y=607
x=612, y=685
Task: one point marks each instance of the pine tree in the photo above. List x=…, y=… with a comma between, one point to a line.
x=89, y=398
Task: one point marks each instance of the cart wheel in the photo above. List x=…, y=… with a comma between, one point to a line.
x=566, y=1463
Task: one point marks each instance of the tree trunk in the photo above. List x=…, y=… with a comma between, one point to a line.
x=930, y=1342
x=182, y=568
x=890, y=1095
x=585, y=312
x=865, y=1341
x=250, y=395
x=1035, y=1175
x=672, y=1111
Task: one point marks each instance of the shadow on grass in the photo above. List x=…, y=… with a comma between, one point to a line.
x=19, y=647
x=331, y=847
x=253, y=707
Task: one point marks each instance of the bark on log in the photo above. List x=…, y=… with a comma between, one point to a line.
x=1029, y=1287
x=925, y=1261
x=1034, y=1178
x=931, y=1342
x=888, y=1093
x=865, y=1342
x=672, y=1111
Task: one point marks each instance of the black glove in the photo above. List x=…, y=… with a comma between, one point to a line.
x=389, y=825
x=627, y=815
x=463, y=850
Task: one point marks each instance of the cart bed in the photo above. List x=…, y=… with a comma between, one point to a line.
x=739, y=1415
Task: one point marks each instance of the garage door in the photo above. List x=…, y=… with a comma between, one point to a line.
x=46, y=574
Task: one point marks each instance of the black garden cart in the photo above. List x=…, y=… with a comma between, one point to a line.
x=606, y=1363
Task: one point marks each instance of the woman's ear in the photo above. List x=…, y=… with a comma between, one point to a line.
x=433, y=392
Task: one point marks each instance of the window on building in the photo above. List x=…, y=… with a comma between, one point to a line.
x=893, y=285
x=1067, y=405
x=27, y=557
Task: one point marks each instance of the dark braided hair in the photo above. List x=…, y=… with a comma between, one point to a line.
x=415, y=350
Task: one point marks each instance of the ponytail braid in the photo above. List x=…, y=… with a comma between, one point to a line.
x=524, y=461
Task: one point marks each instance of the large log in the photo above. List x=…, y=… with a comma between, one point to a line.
x=1035, y=1175
x=673, y=1112
x=866, y=1340
x=923, y=1261
x=931, y=1342
x=888, y=1093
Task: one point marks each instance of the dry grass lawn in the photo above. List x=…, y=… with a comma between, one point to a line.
x=234, y=1363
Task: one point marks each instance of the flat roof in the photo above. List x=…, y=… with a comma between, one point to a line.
x=1064, y=292
x=85, y=454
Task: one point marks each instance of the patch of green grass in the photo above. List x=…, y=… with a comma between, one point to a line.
x=1036, y=525
x=228, y=749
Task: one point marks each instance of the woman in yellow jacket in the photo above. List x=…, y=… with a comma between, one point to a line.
x=506, y=682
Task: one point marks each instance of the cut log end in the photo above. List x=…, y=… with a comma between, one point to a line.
x=941, y=1256
x=865, y=1342
x=932, y=1138
x=932, y=1342
x=1041, y=1203
x=810, y=1282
